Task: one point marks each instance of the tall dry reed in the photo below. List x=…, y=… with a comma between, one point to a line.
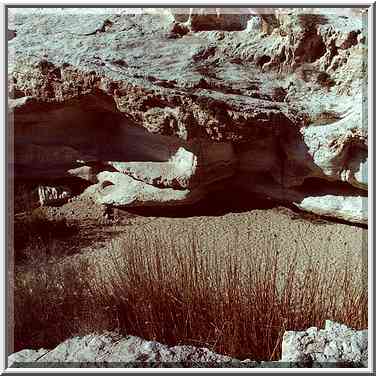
x=189, y=289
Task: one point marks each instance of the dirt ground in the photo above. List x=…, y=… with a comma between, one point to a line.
x=337, y=243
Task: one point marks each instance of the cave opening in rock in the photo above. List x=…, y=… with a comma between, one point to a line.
x=219, y=202
x=51, y=138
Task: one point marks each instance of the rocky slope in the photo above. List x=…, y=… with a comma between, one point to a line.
x=163, y=107
x=335, y=345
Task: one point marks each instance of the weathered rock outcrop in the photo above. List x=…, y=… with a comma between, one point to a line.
x=178, y=101
x=120, y=351
x=116, y=188
x=53, y=195
x=336, y=345
x=344, y=207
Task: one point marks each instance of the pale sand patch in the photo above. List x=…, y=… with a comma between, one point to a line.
x=250, y=234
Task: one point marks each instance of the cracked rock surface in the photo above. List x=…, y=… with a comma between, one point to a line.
x=180, y=102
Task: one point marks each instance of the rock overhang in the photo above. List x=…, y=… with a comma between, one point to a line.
x=178, y=89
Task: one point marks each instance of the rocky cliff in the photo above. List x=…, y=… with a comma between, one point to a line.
x=164, y=107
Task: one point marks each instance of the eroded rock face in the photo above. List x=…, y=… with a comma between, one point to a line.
x=339, y=150
x=201, y=164
x=335, y=343
x=212, y=95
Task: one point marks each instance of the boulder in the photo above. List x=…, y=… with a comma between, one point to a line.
x=110, y=348
x=88, y=173
x=118, y=189
x=348, y=208
x=336, y=343
x=27, y=356
x=53, y=195
x=201, y=164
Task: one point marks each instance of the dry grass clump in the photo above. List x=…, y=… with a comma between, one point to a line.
x=237, y=302
x=37, y=238
x=53, y=303
x=188, y=290
x=25, y=197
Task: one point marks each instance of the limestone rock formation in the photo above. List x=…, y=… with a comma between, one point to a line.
x=120, y=351
x=353, y=208
x=52, y=195
x=244, y=96
x=201, y=164
x=335, y=343
x=116, y=188
x=88, y=173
